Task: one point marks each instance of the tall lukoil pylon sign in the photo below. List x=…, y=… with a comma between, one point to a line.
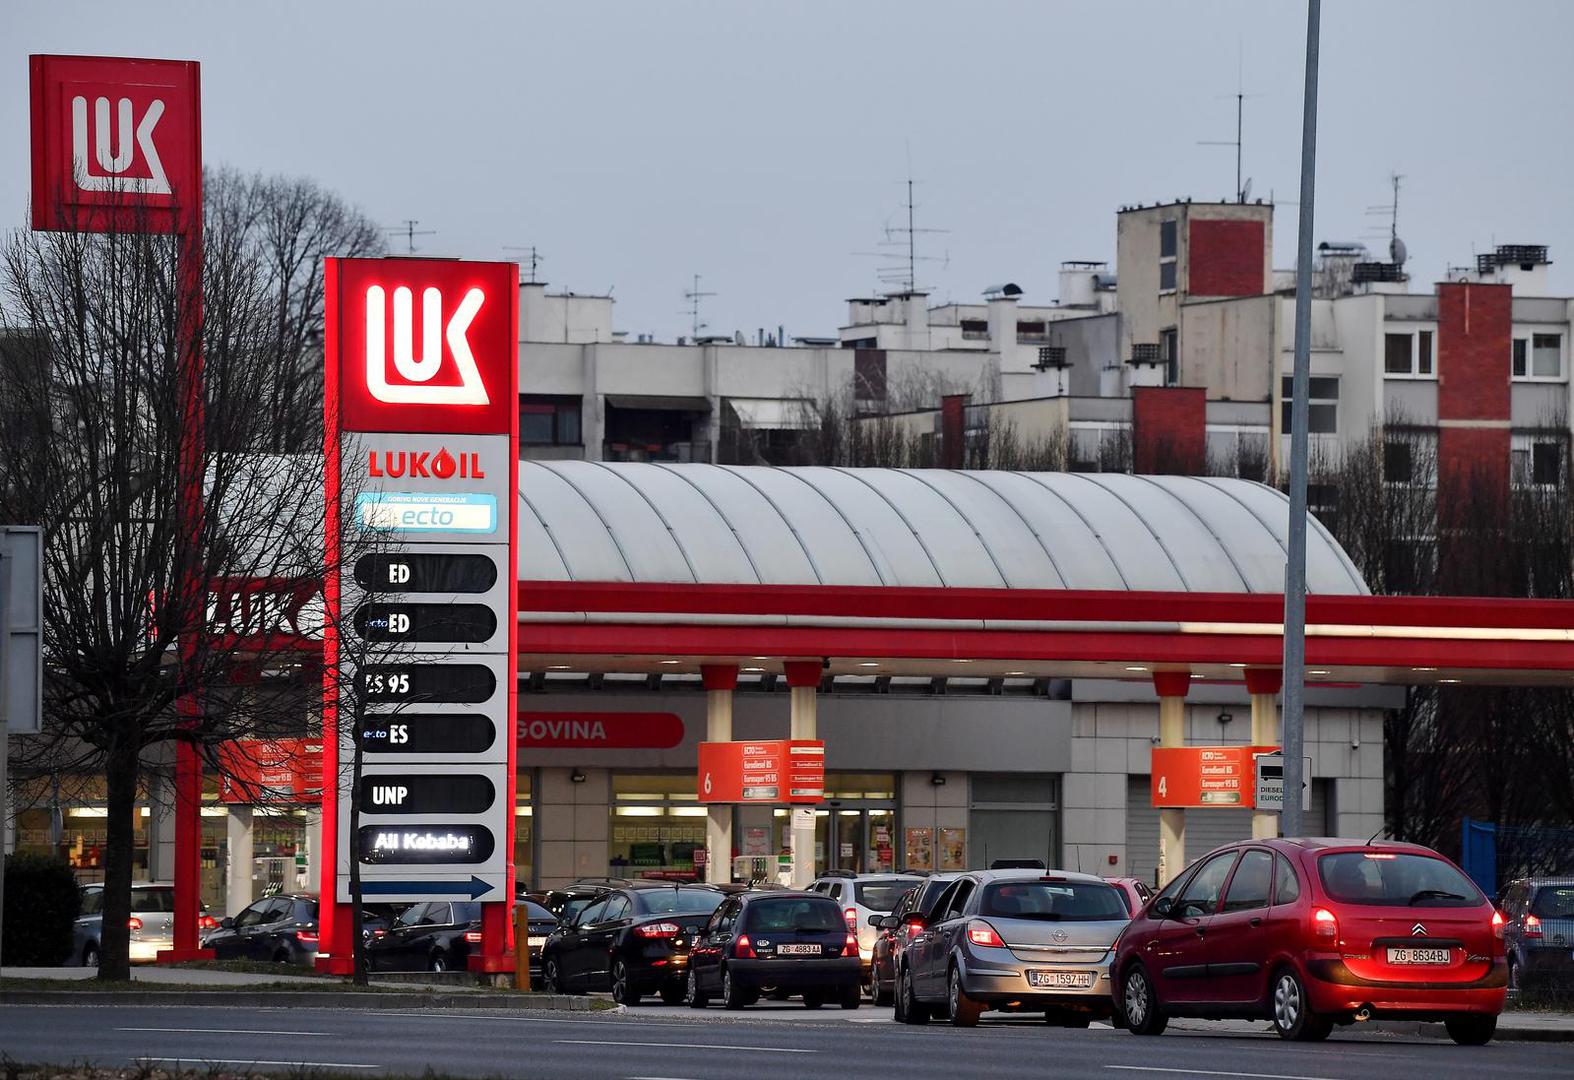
x=423, y=433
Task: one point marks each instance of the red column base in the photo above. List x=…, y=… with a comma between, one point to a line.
x=335, y=965
x=492, y=964
x=183, y=956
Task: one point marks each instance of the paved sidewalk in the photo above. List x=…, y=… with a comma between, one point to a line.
x=177, y=976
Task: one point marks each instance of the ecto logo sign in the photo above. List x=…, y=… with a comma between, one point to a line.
x=424, y=345
x=114, y=159
x=418, y=371
x=116, y=143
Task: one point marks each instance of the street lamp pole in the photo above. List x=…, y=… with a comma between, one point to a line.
x=1290, y=821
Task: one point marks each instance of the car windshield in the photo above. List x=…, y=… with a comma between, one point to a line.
x=679, y=901
x=145, y=901
x=881, y=896
x=1554, y=902
x=1395, y=879
x=811, y=914
x=1069, y=901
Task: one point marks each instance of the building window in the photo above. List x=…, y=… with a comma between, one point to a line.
x=656, y=826
x=1521, y=349
x=549, y=421
x=1546, y=356
x=1537, y=462
x=1167, y=234
x=1408, y=354
x=1169, y=349
x=1322, y=404
x=1167, y=276
x=1397, y=465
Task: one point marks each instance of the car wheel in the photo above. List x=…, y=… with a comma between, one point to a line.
x=1473, y=1029
x=733, y=996
x=437, y=963
x=813, y=999
x=884, y=995
x=1516, y=977
x=964, y=1010
x=697, y=1000
x=622, y=990
x=90, y=956
x=1140, y=1004
x=909, y=1010
x=852, y=997
x=1293, y=1017
x=673, y=994
x=551, y=976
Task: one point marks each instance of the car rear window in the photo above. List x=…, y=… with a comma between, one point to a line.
x=1554, y=902
x=881, y=896
x=536, y=913
x=805, y=913
x=679, y=901
x=1395, y=879
x=147, y=901
x=1069, y=901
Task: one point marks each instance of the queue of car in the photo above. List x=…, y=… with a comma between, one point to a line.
x=1310, y=934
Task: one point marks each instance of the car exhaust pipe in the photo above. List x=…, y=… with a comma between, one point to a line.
x=1363, y=1014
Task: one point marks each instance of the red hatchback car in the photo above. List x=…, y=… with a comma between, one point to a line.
x=1313, y=933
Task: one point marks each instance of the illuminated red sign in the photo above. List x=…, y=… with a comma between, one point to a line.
x=1205, y=775
x=600, y=730
x=116, y=143
x=769, y=771
x=270, y=770
x=425, y=345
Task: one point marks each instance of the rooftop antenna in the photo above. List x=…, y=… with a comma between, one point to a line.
x=903, y=274
x=536, y=258
x=1242, y=191
x=1397, y=252
x=694, y=296
x=408, y=228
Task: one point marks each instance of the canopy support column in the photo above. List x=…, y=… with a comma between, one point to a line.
x=1263, y=684
x=1171, y=687
x=803, y=677
x=720, y=681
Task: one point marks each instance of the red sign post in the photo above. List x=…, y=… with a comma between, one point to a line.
x=768, y=771
x=1205, y=776
x=117, y=147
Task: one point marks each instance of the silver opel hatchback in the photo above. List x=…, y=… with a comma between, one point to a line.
x=1014, y=941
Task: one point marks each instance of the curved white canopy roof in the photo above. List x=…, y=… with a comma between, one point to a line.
x=718, y=524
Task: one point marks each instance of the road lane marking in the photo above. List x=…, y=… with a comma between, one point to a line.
x=1215, y=1072
x=446, y=1016
x=686, y=1046
x=224, y=1031
x=255, y=1061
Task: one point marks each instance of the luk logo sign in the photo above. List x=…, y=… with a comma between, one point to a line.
x=114, y=158
x=116, y=143
x=424, y=345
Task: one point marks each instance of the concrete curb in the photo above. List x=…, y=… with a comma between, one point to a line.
x=302, y=999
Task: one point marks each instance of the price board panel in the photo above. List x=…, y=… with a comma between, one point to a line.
x=1204, y=776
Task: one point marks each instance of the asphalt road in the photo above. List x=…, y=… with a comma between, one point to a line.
x=783, y=1042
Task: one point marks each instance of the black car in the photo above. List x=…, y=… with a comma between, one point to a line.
x=632, y=940
x=541, y=924
x=1538, y=932
x=896, y=929
x=566, y=903
x=433, y=936
x=789, y=941
x=280, y=928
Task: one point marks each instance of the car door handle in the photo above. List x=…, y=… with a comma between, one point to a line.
x=1255, y=922
x=1202, y=931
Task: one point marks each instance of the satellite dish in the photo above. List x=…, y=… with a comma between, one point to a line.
x=1396, y=251
x=1246, y=189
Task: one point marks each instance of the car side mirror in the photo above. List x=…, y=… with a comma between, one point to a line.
x=1163, y=907
x=884, y=922
x=226, y=923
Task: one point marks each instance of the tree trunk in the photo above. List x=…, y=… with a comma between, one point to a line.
x=357, y=914
x=122, y=766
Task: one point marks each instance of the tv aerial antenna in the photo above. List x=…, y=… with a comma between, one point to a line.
x=1397, y=252
x=900, y=246
x=536, y=259
x=694, y=295
x=407, y=228
x=1243, y=188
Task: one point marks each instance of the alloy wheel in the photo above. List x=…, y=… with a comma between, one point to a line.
x=1136, y=998
x=1286, y=1002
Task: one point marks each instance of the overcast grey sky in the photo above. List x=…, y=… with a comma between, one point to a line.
x=762, y=145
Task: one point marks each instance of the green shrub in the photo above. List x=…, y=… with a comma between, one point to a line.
x=41, y=906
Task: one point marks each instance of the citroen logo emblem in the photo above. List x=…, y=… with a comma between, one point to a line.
x=1418, y=930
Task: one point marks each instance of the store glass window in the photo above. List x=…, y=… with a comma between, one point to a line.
x=524, y=831
x=657, y=825
x=855, y=829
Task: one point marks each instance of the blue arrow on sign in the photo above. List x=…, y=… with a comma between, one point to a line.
x=474, y=888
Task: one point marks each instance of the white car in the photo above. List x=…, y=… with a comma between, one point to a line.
x=152, y=923
x=860, y=896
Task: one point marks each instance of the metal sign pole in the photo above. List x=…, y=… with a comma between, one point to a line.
x=1290, y=821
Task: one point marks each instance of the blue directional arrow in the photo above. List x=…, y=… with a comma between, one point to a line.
x=474, y=888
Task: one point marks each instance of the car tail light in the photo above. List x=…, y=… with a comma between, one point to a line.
x=743, y=948
x=306, y=937
x=207, y=922
x=379, y=932
x=913, y=927
x=134, y=923
x=981, y=933
x=1324, y=925
x=659, y=930
x=1532, y=926
x=850, y=946
x=850, y=916
x=1497, y=925
x=472, y=937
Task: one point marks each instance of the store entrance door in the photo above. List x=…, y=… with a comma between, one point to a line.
x=861, y=840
